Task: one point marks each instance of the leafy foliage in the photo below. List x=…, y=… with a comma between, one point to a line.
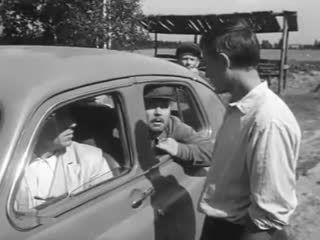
x=72, y=22
x=265, y=44
x=19, y=20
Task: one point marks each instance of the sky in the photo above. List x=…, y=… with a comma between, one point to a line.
x=308, y=13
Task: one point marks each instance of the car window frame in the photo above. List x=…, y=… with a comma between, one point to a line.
x=143, y=81
x=29, y=137
x=185, y=82
x=194, y=104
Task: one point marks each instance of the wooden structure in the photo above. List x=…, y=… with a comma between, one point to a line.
x=261, y=22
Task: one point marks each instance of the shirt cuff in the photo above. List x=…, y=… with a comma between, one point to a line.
x=265, y=220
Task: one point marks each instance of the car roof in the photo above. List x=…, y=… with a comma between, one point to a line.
x=45, y=70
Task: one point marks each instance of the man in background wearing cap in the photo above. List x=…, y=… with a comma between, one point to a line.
x=188, y=55
x=169, y=134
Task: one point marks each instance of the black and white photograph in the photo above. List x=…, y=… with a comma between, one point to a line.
x=159, y=120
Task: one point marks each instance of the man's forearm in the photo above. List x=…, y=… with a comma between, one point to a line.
x=195, y=154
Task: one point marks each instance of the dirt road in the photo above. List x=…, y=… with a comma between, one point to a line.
x=305, y=104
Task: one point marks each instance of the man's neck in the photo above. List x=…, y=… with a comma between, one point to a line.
x=243, y=83
x=46, y=151
x=195, y=70
x=44, y=154
x=154, y=135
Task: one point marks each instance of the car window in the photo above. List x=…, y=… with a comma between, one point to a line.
x=187, y=110
x=78, y=146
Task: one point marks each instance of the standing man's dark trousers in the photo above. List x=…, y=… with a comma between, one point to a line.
x=218, y=229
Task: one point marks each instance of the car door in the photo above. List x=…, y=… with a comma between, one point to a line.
x=116, y=208
x=178, y=186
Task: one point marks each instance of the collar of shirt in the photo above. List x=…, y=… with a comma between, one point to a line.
x=251, y=100
x=155, y=140
x=50, y=161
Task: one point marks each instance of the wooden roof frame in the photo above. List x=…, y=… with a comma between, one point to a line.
x=261, y=22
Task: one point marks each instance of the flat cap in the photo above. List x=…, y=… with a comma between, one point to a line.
x=159, y=92
x=188, y=47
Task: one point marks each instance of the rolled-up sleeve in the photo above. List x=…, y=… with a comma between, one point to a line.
x=271, y=162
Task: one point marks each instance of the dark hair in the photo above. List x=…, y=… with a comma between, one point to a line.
x=236, y=39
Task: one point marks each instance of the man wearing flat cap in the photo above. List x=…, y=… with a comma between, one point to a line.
x=188, y=55
x=169, y=135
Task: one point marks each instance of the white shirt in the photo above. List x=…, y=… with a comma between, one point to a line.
x=254, y=162
x=78, y=168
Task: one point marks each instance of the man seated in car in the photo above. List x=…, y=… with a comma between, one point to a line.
x=169, y=134
x=60, y=166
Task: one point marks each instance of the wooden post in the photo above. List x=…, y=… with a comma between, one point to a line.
x=284, y=50
x=286, y=67
x=155, y=44
x=195, y=38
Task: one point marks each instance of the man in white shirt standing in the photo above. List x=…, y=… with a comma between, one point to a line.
x=250, y=191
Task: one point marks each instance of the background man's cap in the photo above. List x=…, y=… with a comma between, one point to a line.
x=188, y=47
x=162, y=92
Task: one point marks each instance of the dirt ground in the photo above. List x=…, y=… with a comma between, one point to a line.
x=305, y=103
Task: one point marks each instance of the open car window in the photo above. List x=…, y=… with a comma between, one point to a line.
x=78, y=146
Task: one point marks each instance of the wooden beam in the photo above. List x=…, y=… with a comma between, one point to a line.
x=286, y=66
x=155, y=44
x=284, y=50
x=195, y=38
x=264, y=22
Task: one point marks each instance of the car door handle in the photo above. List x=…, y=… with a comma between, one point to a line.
x=137, y=203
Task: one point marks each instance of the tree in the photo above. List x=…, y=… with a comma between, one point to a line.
x=316, y=44
x=266, y=44
x=72, y=22
x=20, y=21
x=125, y=23
x=278, y=45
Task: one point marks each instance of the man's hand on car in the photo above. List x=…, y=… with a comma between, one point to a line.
x=168, y=145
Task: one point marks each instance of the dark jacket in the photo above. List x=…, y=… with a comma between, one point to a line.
x=193, y=146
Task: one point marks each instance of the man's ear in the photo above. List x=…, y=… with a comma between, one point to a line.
x=172, y=105
x=198, y=62
x=225, y=60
